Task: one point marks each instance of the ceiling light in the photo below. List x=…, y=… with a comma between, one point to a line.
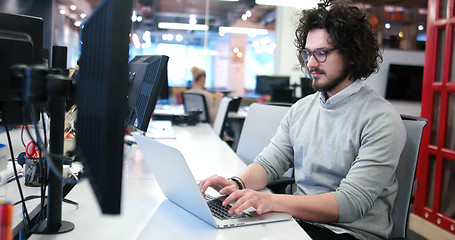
x=239, y=30
x=147, y=36
x=170, y=37
x=183, y=26
x=307, y=4
x=73, y=7
x=393, y=9
x=193, y=19
x=83, y=15
x=136, y=41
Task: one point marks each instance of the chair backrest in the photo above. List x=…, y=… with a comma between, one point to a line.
x=220, y=118
x=259, y=127
x=196, y=102
x=405, y=174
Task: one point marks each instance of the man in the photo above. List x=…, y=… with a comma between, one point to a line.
x=344, y=141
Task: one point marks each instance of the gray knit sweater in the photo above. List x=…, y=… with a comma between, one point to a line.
x=349, y=147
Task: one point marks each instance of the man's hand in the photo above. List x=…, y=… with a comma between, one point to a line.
x=220, y=184
x=262, y=202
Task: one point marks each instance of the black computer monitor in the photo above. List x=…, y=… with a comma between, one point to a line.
x=266, y=84
x=21, y=42
x=404, y=83
x=101, y=90
x=148, y=76
x=305, y=87
x=165, y=90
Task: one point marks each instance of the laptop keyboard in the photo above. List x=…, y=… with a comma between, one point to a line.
x=220, y=211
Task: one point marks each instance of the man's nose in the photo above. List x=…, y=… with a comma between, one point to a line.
x=312, y=62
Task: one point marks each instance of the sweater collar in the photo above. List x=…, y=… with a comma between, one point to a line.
x=353, y=88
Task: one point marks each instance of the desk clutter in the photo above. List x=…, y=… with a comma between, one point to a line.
x=160, y=129
x=192, y=118
x=28, y=165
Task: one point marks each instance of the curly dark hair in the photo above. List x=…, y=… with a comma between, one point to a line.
x=350, y=32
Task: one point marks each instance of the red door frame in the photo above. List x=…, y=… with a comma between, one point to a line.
x=443, y=88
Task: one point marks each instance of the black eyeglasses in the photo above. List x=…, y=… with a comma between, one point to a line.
x=319, y=54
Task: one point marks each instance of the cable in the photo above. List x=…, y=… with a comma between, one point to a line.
x=22, y=135
x=42, y=182
x=42, y=171
x=43, y=168
x=24, y=207
x=46, y=154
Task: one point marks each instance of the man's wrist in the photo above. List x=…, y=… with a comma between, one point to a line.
x=238, y=181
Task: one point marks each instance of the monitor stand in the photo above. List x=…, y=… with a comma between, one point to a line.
x=57, y=87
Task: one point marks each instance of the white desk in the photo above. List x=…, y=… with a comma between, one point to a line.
x=147, y=214
x=169, y=109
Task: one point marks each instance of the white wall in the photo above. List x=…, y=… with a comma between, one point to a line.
x=237, y=69
x=286, y=62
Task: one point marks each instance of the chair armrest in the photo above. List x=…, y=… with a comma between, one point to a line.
x=279, y=186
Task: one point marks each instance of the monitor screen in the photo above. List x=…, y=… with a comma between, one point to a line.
x=404, y=82
x=148, y=76
x=101, y=90
x=305, y=86
x=21, y=42
x=266, y=84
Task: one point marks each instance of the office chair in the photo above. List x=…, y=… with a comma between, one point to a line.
x=219, y=125
x=221, y=115
x=405, y=174
x=196, y=102
x=259, y=127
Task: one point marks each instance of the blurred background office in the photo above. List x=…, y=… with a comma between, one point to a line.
x=232, y=40
x=198, y=86
x=235, y=41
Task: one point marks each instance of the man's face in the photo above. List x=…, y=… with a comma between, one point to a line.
x=332, y=75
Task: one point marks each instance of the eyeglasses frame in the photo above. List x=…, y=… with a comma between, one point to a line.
x=311, y=53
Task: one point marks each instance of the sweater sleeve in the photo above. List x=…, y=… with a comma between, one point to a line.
x=278, y=156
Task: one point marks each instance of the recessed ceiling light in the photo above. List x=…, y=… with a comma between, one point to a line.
x=183, y=26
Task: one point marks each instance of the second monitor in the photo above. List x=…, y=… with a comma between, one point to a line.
x=148, y=75
x=265, y=84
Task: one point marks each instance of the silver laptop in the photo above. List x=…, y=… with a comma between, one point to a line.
x=178, y=185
